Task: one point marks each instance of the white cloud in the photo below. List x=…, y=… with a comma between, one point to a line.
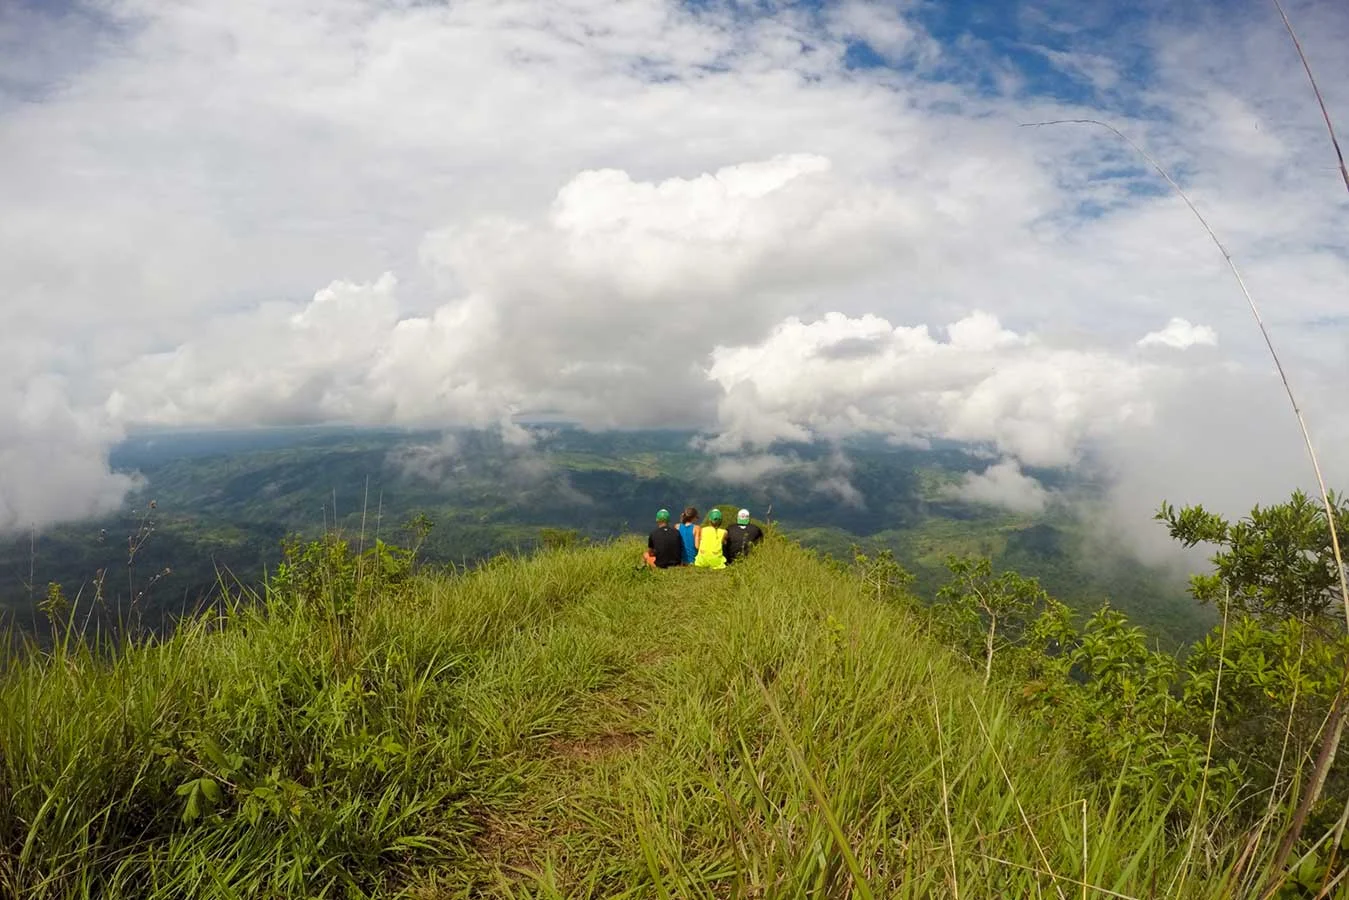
x=1100, y=71
x=1179, y=334
x=1182, y=430
x=827, y=475
x=345, y=356
x=432, y=462
x=841, y=489
x=840, y=375
x=516, y=461
x=70, y=477
x=1003, y=485
x=572, y=313
x=883, y=27
x=749, y=469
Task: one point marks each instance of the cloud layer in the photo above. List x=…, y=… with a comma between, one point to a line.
x=1005, y=486
x=663, y=214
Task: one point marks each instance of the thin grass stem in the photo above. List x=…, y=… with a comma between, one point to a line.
x=1208, y=755
x=945, y=800
x=1020, y=809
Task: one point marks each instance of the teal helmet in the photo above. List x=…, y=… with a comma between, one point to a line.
x=662, y=515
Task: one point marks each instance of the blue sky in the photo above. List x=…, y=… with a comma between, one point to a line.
x=993, y=36
x=286, y=211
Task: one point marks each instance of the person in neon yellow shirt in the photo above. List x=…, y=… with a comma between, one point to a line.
x=710, y=539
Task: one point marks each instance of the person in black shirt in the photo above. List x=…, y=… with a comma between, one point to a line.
x=740, y=537
x=664, y=546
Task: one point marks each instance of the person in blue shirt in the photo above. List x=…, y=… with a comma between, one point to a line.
x=689, y=532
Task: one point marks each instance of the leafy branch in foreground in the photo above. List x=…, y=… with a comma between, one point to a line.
x=1278, y=562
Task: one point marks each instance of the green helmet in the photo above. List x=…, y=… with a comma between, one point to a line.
x=714, y=516
x=662, y=515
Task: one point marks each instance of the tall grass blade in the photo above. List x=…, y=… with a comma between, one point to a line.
x=840, y=840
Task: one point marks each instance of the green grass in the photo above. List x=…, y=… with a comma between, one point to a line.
x=569, y=725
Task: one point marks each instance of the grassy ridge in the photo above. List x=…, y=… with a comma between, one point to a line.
x=563, y=726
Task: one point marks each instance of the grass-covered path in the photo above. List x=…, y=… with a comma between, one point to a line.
x=683, y=718
x=570, y=725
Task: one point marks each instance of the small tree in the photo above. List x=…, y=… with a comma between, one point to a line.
x=1277, y=562
x=884, y=577
x=560, y=538
x=418, y=527
x=1278, y=565
x=998, y=607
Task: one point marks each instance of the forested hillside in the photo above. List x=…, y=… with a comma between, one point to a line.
x=224, y=501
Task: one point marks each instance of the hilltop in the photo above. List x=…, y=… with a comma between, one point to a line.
x=563, y=725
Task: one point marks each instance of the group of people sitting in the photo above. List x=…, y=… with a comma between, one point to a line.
x=707, y=546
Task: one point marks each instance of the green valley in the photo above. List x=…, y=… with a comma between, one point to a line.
x=225, y=500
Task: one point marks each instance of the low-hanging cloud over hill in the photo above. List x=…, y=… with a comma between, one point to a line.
x=796, y=222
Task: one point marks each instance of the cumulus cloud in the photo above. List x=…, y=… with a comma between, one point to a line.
x=1225, y=437
x=1003, y=485
x=1179, y=334
x=983, y=384
x=840, y=488
x=321, y=362
x=572, y=312
x=1148, y=429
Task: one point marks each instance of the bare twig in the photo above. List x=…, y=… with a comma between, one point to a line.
x=1208, y=756
x=1012, y=787
x=32, y=561
x=1269, y=343
x=360, y=552
x=1254, y=846
x=365, y=505
x=1330, y=744
x=1307, y=854
x=1316, y=89
x=1330, y=886
x=1093, y=887
x=1085, y=871
x=379, y=514
x=1335, y=843
x=945, y=800
x=1325, y=758
x=1344, y=173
